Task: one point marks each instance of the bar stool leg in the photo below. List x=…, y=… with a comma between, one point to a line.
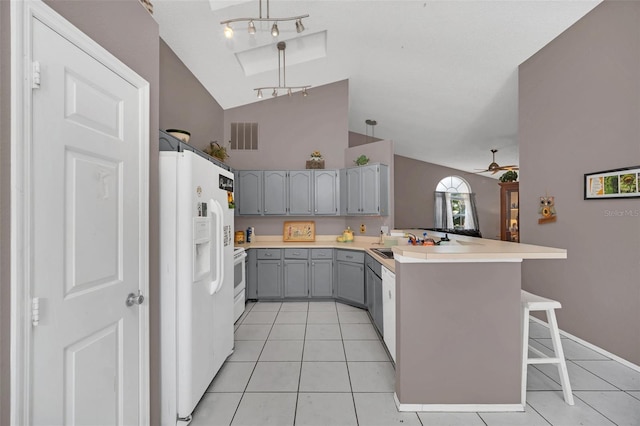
x=559, y=353
x=525, y=354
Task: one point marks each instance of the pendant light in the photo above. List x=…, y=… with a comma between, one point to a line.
x=282, y=77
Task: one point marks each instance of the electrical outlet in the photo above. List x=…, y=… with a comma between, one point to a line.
x=385, y=229
x=363, y=228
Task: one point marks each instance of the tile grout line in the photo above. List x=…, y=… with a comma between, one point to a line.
x=304, y=342
x=346, y=362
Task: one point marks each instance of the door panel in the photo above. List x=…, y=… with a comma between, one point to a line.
x=88, y=234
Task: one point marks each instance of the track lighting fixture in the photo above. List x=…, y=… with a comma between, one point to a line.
x=282, y=76
x=228, y=31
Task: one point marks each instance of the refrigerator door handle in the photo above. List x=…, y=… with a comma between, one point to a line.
x=217, y=254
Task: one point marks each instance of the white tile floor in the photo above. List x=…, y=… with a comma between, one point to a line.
x=322, y=363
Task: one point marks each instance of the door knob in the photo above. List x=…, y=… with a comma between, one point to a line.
x=134, y=299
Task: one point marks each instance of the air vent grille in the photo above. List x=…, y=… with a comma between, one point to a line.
x=244, y=136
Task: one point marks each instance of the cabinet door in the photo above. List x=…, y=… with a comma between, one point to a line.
x=236, y=192
x=353, y=191
x=250, y=192
x=252, y=275
x=322, y=278
x=326, y=192
x=296, y=278
x=269, y=283
x=351, y=282
x=369, y=190
x=300, y=192
x=368, y=279
x=377, y=313
x=275, y=192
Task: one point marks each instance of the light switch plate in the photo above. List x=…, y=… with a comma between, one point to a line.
x=384, y=229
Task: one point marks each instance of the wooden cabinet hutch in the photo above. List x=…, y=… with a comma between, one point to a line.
x=510, y=211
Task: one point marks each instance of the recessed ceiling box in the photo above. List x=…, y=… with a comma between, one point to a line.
x=222, y=4
x=299, y=50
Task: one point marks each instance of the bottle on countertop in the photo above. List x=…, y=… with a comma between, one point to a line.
x=249, y=237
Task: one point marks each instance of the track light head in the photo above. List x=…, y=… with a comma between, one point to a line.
x=274, y=30
x=299, y=26
x=259, y=93
x=275, y=93
x=228, y=31
x=289, y=92
x=252, y=27
x=304, y=92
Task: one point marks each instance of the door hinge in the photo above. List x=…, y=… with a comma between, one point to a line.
x=35, y=311
x=35, y=68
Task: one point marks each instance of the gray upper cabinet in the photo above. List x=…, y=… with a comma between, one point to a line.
x=366, y=190
x=250, y=192
x=294, y=193
x=326, y=192
x=275, y=192
x=300, y=192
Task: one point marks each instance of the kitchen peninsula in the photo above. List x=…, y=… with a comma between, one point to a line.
x=458, y=337
x=458, y=319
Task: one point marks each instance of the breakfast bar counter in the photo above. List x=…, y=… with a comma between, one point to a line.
x=458, y=324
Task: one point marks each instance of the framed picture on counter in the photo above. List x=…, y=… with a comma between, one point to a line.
x=616, y=183
x=299, y=231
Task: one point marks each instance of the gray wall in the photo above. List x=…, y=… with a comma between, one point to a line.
x=289, y=130
x=415, y=183
x=127, y=30
x=5, y=219
x=186, y=104
x=579, y=111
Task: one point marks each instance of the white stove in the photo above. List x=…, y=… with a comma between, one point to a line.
x=239, y=281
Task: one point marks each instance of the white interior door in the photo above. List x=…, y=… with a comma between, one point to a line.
x=88, y=232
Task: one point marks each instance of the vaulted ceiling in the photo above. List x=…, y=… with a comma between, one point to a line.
x=439, y=77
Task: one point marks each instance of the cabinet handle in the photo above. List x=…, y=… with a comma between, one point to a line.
x=349, y=257
x=389, y=294
x=268, y=255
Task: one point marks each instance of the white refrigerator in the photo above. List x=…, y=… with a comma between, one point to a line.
x=196, y=279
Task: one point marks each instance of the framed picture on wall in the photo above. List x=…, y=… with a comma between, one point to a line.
x=616, y=183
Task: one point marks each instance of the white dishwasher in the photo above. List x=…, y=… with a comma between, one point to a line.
x=389, y=310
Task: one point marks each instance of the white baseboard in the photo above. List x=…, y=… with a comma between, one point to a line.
x=591, y=346
x=458, y=408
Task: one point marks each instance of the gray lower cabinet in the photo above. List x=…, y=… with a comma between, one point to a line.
x=296, y=273
x=373, y=280
x=322, y=273
x=252, y=275
x=269, y=274
x=350, y=276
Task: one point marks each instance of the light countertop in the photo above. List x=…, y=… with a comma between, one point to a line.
x=459, y=249
x=470, y=249
x=322, y=241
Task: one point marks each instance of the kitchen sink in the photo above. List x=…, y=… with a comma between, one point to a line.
x=387, y=253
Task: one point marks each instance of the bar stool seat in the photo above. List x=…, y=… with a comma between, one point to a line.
x=531, y=302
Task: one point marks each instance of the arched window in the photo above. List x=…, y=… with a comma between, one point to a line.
x=455, y=206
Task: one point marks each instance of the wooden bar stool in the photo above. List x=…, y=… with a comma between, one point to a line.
x=531, y=302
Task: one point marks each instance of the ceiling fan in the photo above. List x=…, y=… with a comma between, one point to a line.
x=495, y=168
